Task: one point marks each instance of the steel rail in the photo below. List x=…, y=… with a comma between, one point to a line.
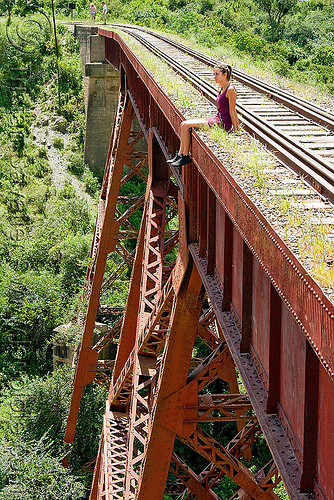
x=316, y=170
x=302, y=106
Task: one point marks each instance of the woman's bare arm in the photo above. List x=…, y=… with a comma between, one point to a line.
x=232, y=99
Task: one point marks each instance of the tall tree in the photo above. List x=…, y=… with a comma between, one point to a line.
x=276, y=10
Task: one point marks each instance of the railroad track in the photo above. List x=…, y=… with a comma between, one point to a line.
x=300, y=134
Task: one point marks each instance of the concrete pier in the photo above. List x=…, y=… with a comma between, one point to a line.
x=101, y=102
x=101, y=83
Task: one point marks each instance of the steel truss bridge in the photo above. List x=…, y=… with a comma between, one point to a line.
x=221, y=277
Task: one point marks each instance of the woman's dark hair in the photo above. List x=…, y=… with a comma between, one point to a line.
x=225, y=68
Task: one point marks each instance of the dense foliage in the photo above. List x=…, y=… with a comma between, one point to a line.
x=46, y=231
x=33, y=413
x=293, y=38
x=29, y=471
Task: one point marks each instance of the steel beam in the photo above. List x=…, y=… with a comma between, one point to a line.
x=274, y=351
x=213, y=451
x=107, y=238
x=190, y=480
x=173, y=376
x=273, y=430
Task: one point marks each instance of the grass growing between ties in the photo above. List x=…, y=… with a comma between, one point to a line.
x=318, y=245
x=163, y=74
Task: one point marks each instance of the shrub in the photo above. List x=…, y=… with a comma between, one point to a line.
x=302, y=64
x=41, y=405
x=276, y=11
x=117, y=9
x=324, y=55
x=227, y=488
x=248, y=43
x=75, y=163
x=91, y=182
x=281, y=65
x=67, y=191
x=145, y=12
x=185, y=21
x=300, y=32
x=325, y=74
x=40, y=169
x=72, y=110
x=74, y=252
x=58, y=142
x=213, y=33
x=282, y=50
x=38, y=408
x=70, y=75
x=27, y=470
x=88, y=430
x=176, y=4
x=205, y=6
x=31, y=307
x=71, y=44
x=19, y=142
x=42, y=152
x=65, y=216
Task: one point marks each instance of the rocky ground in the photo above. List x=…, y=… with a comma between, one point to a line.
x=50, y=132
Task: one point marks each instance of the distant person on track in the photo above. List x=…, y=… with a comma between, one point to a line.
x=104, y=12
x=92, y=12
x=226, y=117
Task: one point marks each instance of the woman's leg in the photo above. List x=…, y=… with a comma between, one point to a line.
x=185, y=133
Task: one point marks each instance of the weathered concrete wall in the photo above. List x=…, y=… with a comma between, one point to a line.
x=101, y=85
x=97, y=48
x=83, y=33
x=101, y=103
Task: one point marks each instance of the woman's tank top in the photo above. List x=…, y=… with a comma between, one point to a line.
x=223, y=117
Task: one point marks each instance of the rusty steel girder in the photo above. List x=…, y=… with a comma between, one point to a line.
x=207, y=446
x=148, y=392
x=190, y=479
x=239, y=446
x=108, y=223
x=109, y=473
x=144, y=369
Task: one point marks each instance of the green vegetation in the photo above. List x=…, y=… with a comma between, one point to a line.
x=29, y=470
x=46, y=229
x=33, y=413
x=293, y=39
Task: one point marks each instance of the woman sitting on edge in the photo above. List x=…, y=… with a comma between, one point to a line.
x=226, y=117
